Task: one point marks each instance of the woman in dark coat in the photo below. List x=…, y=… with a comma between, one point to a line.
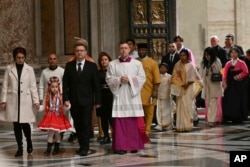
x=247, y=61
x=235, y=84
x=105, y=111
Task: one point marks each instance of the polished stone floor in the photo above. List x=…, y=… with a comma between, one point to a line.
x=202, y=147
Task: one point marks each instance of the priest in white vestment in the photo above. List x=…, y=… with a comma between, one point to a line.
x=125, y=77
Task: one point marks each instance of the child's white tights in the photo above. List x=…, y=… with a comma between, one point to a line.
x=51, y=134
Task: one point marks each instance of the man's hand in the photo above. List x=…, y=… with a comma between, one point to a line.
x=124, y=79
x=67, y=103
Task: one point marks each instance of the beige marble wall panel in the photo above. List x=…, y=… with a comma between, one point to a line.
x=221, y=19
x=192, y=25
x=213, y=17
x=16, y=28
x=242, y=34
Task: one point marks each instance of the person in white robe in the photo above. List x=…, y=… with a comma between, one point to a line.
x=163, y=110
x=125, y=77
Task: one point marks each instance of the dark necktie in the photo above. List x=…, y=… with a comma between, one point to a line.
x=171, y=58
x=79, y=69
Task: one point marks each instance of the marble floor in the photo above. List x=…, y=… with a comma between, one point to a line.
x=202, y=147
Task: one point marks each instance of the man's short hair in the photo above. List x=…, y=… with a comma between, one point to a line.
x=248, y=51
x=130, y=40
x=178, y=37
x=231, y=36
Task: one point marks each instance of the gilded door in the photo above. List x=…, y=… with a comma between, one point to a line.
x=149, y=23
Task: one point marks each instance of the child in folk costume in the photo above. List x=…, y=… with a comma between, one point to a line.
x=54, y=120
x=163, y=112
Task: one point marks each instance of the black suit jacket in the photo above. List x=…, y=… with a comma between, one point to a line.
x=221, y=53
x=83, y=90
x=166, y=59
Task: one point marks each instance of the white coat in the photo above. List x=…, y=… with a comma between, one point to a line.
x=28, y=94
x=215, y=88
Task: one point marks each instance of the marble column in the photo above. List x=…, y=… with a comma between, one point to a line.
x=104, y=17
x=16, y=29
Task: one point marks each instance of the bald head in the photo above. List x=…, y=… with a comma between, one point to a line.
x=52, y=60
x=214, y=40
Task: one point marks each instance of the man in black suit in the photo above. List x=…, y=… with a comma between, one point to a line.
x=171, y=57
x=81, y=89
x=219, y=51
x=229, y=43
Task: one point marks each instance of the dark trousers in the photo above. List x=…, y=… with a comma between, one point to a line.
x=106, y=120
x=18, y=128
x=105, y=111
x=82, y=122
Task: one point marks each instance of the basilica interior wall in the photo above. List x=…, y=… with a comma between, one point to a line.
x=45, y=26
x=16, y=29
x=197, y=21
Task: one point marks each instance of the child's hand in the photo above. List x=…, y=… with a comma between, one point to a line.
x=37, y=106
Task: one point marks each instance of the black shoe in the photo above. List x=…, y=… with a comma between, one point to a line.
x=106, y=140
x=78, y=151
x=19, y=153
x=196, y=122
x=47, y=152
x=100, y=138
x=83, y=153
x=120, y=152
x=29, y=147
x=134, y=151
x=56, y=149
x=71, y=138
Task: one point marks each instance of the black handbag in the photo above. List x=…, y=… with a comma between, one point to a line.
x=216, y=77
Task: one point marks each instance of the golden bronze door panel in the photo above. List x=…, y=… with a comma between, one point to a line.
x=149, y=22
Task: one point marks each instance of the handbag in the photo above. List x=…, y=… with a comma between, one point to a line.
x=216, y=76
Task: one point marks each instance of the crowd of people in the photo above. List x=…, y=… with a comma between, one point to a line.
x=126, y=93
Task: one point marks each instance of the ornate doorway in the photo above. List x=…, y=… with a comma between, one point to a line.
x=149, y=22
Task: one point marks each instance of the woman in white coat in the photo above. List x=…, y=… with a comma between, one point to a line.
x=211, y=90
x=19, y=97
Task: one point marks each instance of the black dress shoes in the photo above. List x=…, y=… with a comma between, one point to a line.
x=72, y=137
x=19, y=153
x=82, y=152
x=120, y=152
x=29, y=147
x=100, y=138
x=106, y=140
x=196, y=122
x=134, y=151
